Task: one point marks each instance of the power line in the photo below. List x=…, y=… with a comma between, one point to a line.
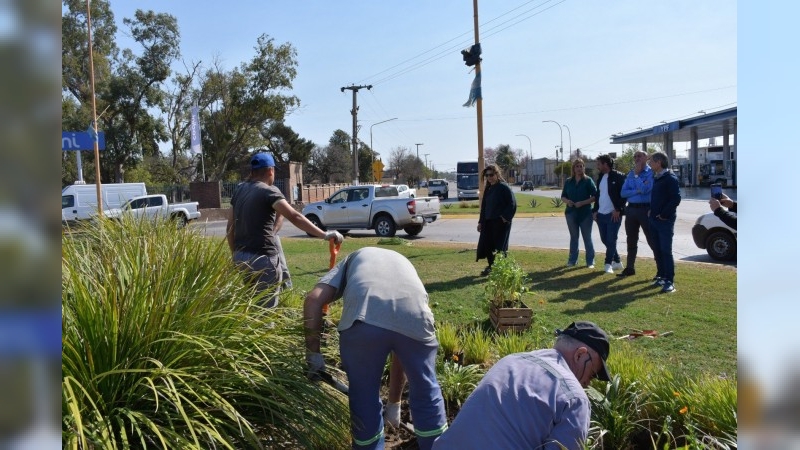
x=463, y=43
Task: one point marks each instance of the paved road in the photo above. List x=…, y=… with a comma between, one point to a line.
x=539, y=232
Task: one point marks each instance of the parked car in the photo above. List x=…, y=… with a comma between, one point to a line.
x=527, y=186
x=718, y=239
x=438, y=188
x=156, y=206
x=373, y=207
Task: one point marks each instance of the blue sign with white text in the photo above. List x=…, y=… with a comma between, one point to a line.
x=81, y=140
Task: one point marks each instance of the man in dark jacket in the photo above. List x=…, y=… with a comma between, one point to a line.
x=664, y=201
x=608, y=209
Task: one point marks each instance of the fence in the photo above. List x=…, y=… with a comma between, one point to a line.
x=303, y=194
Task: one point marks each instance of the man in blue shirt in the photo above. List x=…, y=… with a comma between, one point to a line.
x=534, y=400
x=664, y=201
x=636, y=190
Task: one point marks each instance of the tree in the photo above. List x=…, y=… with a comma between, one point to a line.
x=243, y=102
x=132, y=132
x=401, y=163
x=177, y=109
x=505, y=158
x=331, y=164
x=563, y=170
x=76, y=94
x=285, y=144
x=489, y=155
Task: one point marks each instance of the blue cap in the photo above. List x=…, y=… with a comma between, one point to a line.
x=261, y=160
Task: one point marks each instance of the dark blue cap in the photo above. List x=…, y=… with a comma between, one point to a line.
x=593, y=336
x=261, y=160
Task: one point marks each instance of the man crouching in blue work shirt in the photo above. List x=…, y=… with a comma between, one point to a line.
x=385, y=310
x=536, y=399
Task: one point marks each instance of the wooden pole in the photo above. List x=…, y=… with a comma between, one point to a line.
x=94, y=113
x=480, y=103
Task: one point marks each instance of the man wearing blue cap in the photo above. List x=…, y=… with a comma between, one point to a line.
x=534, y=399
x=252, y=228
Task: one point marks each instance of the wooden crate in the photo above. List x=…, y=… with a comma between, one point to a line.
x=514, y=319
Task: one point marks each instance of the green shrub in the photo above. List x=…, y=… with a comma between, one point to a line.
x=557, y=202
x=457, y=382
x=506, y=283
x=447, y=335
x=164, y=346
x=614, y=413
x=533, y=203
x=476, y=346
x=509, y=343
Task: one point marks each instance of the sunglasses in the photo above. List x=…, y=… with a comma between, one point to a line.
x=489, y=174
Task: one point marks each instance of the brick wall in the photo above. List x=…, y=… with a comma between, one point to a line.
x=317, y=192
x=207, y=194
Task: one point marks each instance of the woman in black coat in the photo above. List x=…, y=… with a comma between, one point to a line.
x=498, y=207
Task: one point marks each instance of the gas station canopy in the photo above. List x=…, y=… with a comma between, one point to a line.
x=708, y=125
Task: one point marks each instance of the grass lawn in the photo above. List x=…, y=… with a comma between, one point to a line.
x=701, y=314
x=544, y=206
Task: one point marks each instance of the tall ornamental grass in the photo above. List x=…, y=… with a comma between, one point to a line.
x=164, y=346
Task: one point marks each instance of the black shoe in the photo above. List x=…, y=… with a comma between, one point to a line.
x=626, y=272
x=486, y=271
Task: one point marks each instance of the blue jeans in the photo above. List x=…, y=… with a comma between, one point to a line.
x=364, y=349
x=608, y=234
x=584, y=227
x=662, y=232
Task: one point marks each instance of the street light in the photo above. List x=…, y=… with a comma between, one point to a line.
x=569, y=133
x=426, y=164
x=561, y=130
x=530, y=154
x=371, y=150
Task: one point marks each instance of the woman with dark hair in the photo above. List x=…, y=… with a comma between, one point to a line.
x=498, y=207
x=579, y=193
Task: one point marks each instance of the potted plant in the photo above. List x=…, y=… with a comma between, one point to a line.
x=506, y=285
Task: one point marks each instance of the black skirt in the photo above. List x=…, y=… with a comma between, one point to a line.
x=494, y=237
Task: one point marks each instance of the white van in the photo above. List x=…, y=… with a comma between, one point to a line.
x=79, y=201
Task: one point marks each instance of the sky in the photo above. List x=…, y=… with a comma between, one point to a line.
x=595, y=68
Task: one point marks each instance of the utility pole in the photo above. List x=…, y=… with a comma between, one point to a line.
x=97, y=182
x=561, y=133
x=354, y=112
x=426, y=166
x=418, y=149
x=569, y=133
x=479, y=105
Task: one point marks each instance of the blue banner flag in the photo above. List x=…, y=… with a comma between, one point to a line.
x=474, y=91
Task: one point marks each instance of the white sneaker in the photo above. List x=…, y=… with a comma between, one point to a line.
x=617, y=266
x=609, y=269
x=590, y=266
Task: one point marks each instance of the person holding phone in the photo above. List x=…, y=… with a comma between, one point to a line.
x=724, y=208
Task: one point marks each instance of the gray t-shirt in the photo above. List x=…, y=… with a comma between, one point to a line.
x=381, y=287
x=254, y=227
x=526, y=400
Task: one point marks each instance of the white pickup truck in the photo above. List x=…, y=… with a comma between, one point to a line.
x=373, y=207
x=404, y=191
x=155, y=206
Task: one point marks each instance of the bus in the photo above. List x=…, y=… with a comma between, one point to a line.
x=467, y=180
